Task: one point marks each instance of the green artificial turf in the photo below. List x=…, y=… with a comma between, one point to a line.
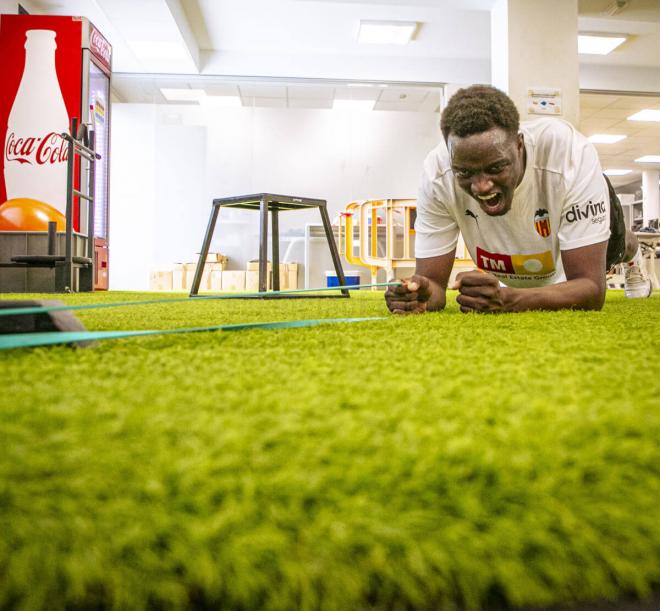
x=430, y=462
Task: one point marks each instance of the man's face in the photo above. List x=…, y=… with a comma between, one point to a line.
x=488, y=166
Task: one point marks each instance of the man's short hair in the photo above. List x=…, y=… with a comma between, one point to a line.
x=477, y=109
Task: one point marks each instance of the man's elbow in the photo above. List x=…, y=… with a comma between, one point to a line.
x=594, y=297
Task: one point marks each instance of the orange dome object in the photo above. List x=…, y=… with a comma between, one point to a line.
x=24, y=214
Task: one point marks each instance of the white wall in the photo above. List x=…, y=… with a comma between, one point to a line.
x=132, y=195
x=169, y=162
x=9, y=7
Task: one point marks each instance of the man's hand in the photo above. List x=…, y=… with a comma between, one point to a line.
x=479, y=292
x=411, y=297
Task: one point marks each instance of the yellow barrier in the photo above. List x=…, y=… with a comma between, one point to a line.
x=367, y=213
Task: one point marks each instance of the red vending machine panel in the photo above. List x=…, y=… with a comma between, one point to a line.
x=40, y=91
x=59, y=69
x=100, y=265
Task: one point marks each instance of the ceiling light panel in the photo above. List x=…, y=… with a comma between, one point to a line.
x=616, y=172
x=386, y=32
x=648, y=114
x=590, y=44
x=648, y=159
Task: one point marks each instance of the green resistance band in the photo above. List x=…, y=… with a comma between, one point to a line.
x=31, y=340
x=121, y=304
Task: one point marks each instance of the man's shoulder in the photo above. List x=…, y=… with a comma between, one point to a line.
x=437, y=162
x=555, y=143
x=549, y=129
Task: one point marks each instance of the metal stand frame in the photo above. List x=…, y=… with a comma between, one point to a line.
x=81, y=144
x=267, y=202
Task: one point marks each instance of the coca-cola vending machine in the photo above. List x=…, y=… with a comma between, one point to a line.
x=53, y=69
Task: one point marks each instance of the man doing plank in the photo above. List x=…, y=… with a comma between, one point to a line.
x=534, y=209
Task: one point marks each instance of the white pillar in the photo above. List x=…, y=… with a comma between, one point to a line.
x=534, y=46
x=650, y=195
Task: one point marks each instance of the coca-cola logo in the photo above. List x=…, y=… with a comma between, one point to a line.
x=100, y=46
x=51, y=149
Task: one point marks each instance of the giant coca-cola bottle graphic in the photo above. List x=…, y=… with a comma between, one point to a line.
x=35, y=153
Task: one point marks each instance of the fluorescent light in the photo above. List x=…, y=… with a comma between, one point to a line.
x=616, y=172
x=353, y=104
x=221, y=101
x=606, y=138
x=183, y=95
x=590, y=44
x=648, y=114
x=648, y=159
x=386, y=32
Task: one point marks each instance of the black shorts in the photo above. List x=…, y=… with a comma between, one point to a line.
x=616, y=246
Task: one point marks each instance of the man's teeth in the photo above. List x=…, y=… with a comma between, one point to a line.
x=487, y=197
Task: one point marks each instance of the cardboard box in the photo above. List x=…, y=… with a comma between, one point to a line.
x=284, y=276
x=215, y=257
x=292, y=275
x=179, y=277
x=160, y=280
x=215, y=282
x=292, y=280
x=233, y=281
x=211, y=277
x=253, y=266
x=190, y=269
x=288, y=276
x=252, y=281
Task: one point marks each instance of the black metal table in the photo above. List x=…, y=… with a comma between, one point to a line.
x=267, y=202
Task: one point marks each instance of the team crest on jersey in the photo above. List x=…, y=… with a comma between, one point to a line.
x=542, y=222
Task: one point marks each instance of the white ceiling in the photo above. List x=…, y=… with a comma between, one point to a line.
x=303, y=52
x=321, y=27
x=283, y=94
x=607, y=114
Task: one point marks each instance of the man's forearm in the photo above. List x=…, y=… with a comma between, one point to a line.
x=578, y=294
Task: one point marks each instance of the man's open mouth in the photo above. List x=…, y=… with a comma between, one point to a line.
x=492, y=203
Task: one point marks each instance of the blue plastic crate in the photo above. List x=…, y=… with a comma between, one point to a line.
x=352, y=279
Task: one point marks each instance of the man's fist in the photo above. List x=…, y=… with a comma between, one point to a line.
x=479, y=292
x=409, y=298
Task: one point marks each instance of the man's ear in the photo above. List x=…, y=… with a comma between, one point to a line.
x=521, y=141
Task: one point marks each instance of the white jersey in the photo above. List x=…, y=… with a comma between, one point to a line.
x=561, y=203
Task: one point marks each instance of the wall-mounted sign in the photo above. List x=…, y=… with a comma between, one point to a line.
x=544, y=101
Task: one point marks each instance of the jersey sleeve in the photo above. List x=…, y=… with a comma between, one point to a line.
x=585, y=217
x=436, y=232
